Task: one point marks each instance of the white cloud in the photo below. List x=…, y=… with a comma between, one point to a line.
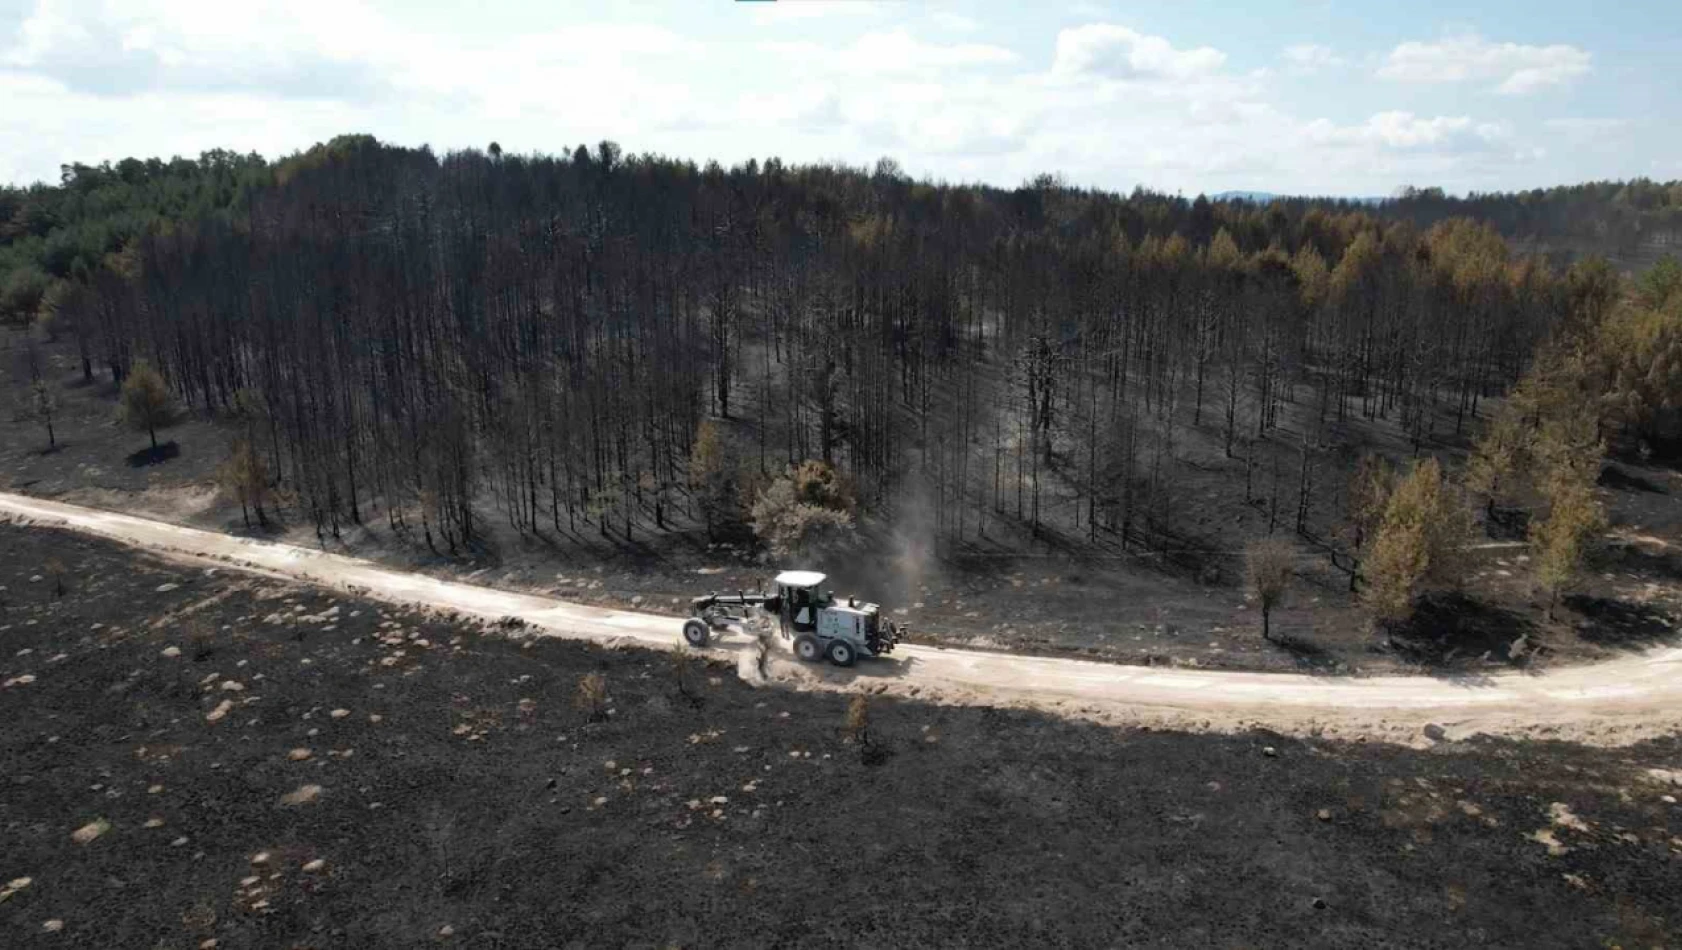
x=1516, y=69
x=1306, y=59
x=898, y=51
x=1587, y=126
x=309, y=49
x=1116, y=52
x=953, y=22
x=766, y=14
x=86, y=80
x=1406, y=131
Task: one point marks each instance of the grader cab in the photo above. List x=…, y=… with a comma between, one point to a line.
x=803, y=611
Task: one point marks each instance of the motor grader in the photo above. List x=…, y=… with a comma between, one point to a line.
x=819, y=625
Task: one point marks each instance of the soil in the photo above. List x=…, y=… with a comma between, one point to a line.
x=483, y=809
x=1056, y=594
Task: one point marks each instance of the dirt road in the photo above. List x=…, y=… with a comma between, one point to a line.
x=1612, y=703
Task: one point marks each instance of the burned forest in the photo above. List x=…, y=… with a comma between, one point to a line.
x=609, y=343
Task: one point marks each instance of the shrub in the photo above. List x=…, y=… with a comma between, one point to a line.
x=1269, y=565
x=712, y=474
x=1560, y=541
x=244, y=477
x=856, y=726
x=42, y=405
x=1418, y=544
x=146, y=403
x=818, y=483
x=57, y=576
x=590, y=697
x=683, y=663
x=809, y=508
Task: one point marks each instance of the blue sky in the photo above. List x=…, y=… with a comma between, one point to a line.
x=1301, y=96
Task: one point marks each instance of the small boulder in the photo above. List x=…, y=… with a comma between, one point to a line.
x=88, y=832
x=302, y=795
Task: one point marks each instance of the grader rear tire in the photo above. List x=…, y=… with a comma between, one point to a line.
x=841, y=653
x=695, y=632
x=807, y=648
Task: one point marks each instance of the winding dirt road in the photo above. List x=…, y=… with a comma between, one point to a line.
x=1612, y=703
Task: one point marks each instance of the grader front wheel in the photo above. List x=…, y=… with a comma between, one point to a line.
x=696, y=633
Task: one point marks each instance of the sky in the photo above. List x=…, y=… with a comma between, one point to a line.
x=1323, y=97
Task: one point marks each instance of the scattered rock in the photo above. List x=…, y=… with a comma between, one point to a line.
x=1435, y=732
x=299, y=755
x=1668, y=776
x=171, y=652
x=1319, y=903
x=23, y=680
x=303, y=795
x=1562, y=816
x=375, y=717
x=260, y=859
x=1270, y=751
x=233, y=686
x=53, y=926
x=1324, y=814
x=13, y=886
x=446, y=931
x=88, y=832
x=154, y=822
x=339, y=713
x=1546, y=838
x=313, y=866
x=166, y=588
x=220, y=712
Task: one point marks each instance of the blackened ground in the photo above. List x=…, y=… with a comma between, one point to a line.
x=482, y=801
